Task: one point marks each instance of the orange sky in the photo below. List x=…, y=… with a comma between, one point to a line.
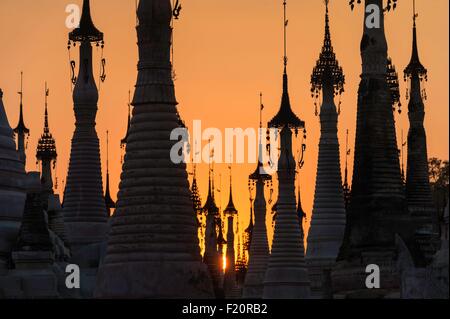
x=226, y=52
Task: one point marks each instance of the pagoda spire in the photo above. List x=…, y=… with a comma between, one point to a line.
x=46, y=151
x=418, y=190
x=84, y=209
x=328, y=215
x=230, y=212
x=124, y=141
x=346, y=185
x=154, y=233
x=212, y=256
x=241, y=265
x=21, y=130
x=230, y=209
x=377, y=209
x=300, y=212
x=109, y=202
x=196, y=198
x=259, y=245
x=12, y=189
x=286, y=274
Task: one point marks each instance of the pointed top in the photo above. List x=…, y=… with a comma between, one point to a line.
x=108, y=200
x=46, y=128
x=21, y=128
x=347, y=153
x=210, y=205
x=230, y=209
x=124, y=141
x=300, y=212
x=285, y=115
x=346, y=186
x=86, y=30
x=285, y=24
x=195, y=194
x=260, y=172
x=415, y=67
x=327, y=69
x=46, y=148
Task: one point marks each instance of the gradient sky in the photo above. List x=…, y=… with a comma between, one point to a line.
x=226, y=52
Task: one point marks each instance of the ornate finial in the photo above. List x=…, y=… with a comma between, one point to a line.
x=346, y=187
x=108, y=200
x=230, y=209
x=196, y=199
x=415, y=67
x=21, y=128
x=177, y=9
x=285, y=116
x=46, y=148
x=86, y=31
x=261, y=108
x=286, y=22
x=327, y=68
x=47, y=92
x=107, y=151
x=210, y=206
x=402, y=158
x=21, y=88
x=259, y=173
x=124, y=141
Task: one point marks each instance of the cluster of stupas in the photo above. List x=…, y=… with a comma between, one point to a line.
x=162, y=242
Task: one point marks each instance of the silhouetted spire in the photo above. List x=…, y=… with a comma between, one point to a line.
x=21, y=127
x=46, y=149
x=108, y=200
x=327, y=69
x=286, y=274
x=300, y=212
x=285, y=116
x=346, y=185
x=258, y=253
x=196, y=199
x=210, y=205
x=418, y=190
x=124, y=141
x=415, y=67
x=86, y=31
x=328, y=213
x=21, y=130
x=230, y=209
